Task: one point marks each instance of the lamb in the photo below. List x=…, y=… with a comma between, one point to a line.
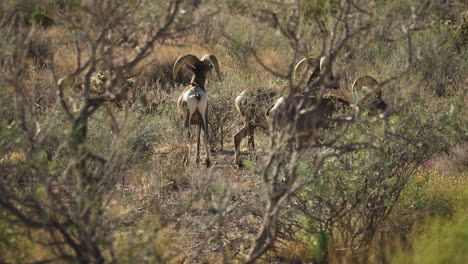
x=251, y=104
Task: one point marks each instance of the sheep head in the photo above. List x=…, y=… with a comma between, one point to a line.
x=318, y=67
x=199, y=68
x=366, y=88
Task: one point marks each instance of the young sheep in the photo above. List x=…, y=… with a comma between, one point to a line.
x=309, y=113
x=193, y=102
x=250, y=103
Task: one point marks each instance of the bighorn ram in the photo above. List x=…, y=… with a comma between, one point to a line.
x=304, y=115
x=250, y=103
x=193, y=102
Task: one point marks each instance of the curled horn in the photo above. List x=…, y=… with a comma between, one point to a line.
x=312, y=63
x=187, y=59
x=325, y=61
x=213, y=61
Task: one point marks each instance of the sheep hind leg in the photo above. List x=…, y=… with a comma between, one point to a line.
x=198, y=143
x=251, y=140
x=187, y=150
x=204, y=126
x=237, y=141
x=187, y=123
x=187, y=139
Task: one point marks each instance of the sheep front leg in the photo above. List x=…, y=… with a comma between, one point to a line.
x=251, y=140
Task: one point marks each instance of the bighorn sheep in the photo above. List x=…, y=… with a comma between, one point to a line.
x=249, y=102
x=193, y=102
x=309, y=113
x=306, y=113
x=367, y=90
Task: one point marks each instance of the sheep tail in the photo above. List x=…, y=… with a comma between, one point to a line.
x=198, y=96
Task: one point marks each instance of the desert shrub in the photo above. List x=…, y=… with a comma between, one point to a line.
x=208, y=32
x=318, y=9
x=312, y=244
x=438, y=189
x=269, y=45
x=244, y=37
x=239, y=52
x=355, y=190
x=35, y=12
x=149, y=98
x=237, y=6
x=440, y=59
x=140, y=245
x=160, y=75
x=40, y=48
x=221, y=113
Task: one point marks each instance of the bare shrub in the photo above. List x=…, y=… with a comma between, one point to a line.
x=40, y=50
x=221, y=114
